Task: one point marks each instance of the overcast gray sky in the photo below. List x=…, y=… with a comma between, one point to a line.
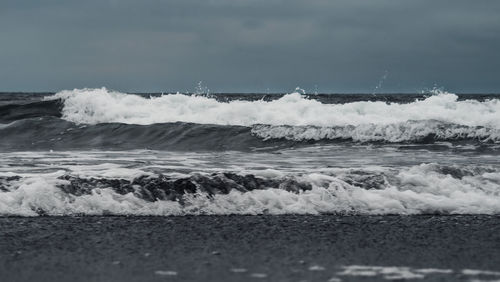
x=250, y=46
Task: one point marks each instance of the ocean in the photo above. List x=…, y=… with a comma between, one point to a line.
x=291, y=164
x=100, y=152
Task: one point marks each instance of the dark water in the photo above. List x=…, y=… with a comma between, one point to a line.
x=95, y=151
x=37, y=124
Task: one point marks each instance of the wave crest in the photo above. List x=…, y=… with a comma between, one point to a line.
x=421, y=189
x=409, y=131
x=93, y=106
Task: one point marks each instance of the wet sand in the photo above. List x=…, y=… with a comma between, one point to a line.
x=244, y=248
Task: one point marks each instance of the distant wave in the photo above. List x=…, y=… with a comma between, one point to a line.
x=94, y=106
x=57, y=134
x=13, y=112
x=51, y=133
x=422, y=189
x=425, y=131
x=103, y=119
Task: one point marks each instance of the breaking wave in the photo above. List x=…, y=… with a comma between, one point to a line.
x=409, y=131
x=93, y=106
x=147, y=176
x=99, y=118
x=57, y=134
x=422, y=189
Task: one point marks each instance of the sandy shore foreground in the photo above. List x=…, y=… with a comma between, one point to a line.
x=250, y=248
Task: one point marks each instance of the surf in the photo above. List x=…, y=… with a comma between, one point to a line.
x=94, y=106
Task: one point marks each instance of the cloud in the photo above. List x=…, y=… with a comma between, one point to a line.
x=234, y=46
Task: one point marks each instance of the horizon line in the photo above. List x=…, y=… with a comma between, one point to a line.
x=264, y=93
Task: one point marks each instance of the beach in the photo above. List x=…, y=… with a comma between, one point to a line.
x=245, y=248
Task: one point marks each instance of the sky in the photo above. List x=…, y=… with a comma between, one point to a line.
x=351, y=46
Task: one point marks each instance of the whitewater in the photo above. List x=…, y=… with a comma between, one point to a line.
x=102, y=152
x=93, y=106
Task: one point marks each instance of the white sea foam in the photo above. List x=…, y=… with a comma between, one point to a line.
x=406, y=272
x=419, y=189
x=258, y=275
x=393, y=272
x=387, y=272
x=397, y=132
x=166, y=272
x=480, y=272
x=92, y=106
x=316, y=268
